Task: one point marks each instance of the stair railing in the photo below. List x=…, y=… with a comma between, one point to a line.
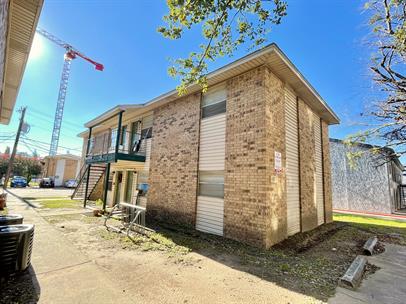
x=79, y=179
x=97, y=182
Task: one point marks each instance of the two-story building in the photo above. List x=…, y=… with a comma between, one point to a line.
x=248, y=159
x=370, y=184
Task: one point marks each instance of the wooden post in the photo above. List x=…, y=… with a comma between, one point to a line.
x=106, y=186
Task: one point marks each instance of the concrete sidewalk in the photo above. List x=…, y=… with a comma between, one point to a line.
x=387, y=285
x=64, y=274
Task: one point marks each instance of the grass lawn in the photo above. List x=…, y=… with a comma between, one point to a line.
x=392, y=231
x=4, y=211
x=368, y=220
x=55, y=203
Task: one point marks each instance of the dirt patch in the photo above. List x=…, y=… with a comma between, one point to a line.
x=302, y=242
x=379, y=248
x=309, y=263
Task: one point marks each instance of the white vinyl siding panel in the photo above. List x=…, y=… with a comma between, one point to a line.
x=212, y=143
x=210, y=209
x=292, y=163
x=210, y=214
x=319, y=171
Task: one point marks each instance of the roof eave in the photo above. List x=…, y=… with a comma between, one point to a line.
x=111, y=113
x=23, y=17
x=221, y=75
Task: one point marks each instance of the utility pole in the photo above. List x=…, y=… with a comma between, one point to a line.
x=13, y=154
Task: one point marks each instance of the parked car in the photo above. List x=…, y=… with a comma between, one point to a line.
x=71, y=183
x=47, y=182
x=18, y=181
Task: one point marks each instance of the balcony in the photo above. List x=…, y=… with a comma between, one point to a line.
x=105, y=147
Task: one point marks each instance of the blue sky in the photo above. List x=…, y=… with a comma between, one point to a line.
x=324, y=39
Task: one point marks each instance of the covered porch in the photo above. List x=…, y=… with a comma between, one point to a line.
x=116, y=159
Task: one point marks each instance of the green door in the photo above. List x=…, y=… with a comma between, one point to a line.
x=119, y=181
x=129, y=186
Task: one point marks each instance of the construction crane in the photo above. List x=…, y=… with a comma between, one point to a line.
x=70, y=54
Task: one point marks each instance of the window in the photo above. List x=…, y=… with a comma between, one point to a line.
x=211, y=183
x=135, y=136
x=214, y=101
x=146, y=133
x=123, y=135
x=214, y=109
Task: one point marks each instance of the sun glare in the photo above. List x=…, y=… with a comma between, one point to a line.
x=37, y=48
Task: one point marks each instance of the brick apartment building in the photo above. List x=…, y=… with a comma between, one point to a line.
x=248, y=160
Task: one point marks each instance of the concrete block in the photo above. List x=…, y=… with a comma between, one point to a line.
x=370, y=245
x=353, y=275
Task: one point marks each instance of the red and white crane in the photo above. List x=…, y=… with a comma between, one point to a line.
x=70, y=54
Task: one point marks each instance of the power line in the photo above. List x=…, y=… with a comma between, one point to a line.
x=8, y=138
x=65, y=126
x=62, y=134
x=48, y=145
x=52, y=117
x=43, y=150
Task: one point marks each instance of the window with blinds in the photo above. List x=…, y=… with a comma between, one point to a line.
x=214, y=101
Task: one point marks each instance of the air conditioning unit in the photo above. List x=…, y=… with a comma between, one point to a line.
x=15, y=248
x=11, y=219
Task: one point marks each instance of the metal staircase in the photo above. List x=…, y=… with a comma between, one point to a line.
x=96, y=173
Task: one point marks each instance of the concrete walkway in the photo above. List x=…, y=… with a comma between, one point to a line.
x=64, y=274
x=387, y=285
